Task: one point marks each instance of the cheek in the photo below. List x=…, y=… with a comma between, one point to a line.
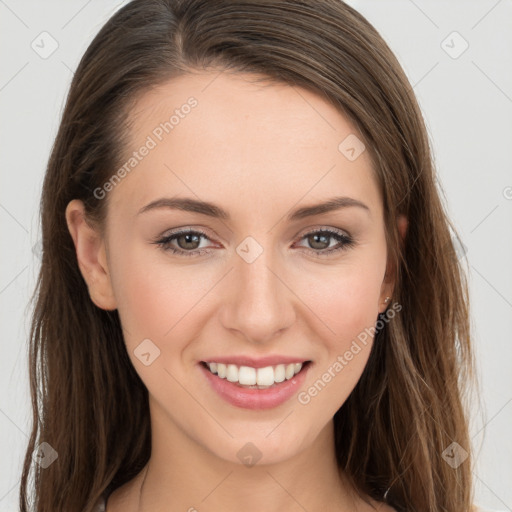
x=141, y=298
x=348, y=306
x=147, y=296
x=159, y=300
x=345, y=300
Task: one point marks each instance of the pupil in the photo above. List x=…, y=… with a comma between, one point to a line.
x=315, y=241
x=188, y=240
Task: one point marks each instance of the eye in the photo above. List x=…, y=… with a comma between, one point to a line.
x=189, y=242
x=320, y=244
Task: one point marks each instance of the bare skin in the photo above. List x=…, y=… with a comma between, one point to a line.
x=259, y=152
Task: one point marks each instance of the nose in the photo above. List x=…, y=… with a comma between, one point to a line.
x=260, y=303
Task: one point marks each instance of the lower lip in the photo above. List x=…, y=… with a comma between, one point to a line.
x=248, y=398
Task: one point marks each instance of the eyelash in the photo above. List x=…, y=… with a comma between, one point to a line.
x=346, y=241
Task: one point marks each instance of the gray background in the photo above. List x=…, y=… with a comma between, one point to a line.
x=466, y=97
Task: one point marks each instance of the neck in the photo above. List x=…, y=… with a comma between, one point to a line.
x=184, y=475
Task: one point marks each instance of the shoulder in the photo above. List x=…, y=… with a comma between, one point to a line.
x=480, y=509
x=99, y=506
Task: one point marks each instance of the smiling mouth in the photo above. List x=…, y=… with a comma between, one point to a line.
x=255, y=378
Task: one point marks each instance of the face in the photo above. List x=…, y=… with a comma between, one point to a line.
x=255, y=279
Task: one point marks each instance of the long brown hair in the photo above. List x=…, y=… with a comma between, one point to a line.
x=88, y=402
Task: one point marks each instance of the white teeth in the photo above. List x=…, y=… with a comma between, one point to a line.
x=279, y=373
x=260, y=378
x=265, y=376
x=221, y=370
x=232, y=373
x=247, y=376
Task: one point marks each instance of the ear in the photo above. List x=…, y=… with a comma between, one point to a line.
x=91, y=256
x=388, y=284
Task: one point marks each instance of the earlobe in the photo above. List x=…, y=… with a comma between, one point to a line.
x=402, y=224
x=388, y=284
x=91, y=256
x=386, y=292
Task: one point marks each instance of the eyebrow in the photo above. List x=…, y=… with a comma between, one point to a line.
x=212, y=210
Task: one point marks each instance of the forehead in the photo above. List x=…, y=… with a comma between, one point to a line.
x=230, y=138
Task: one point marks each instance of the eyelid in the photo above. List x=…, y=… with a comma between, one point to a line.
x=315, y=229
x=344, y=238
x=301, y=234
x=187, y=229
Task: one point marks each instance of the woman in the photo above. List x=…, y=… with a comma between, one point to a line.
x=249, y=295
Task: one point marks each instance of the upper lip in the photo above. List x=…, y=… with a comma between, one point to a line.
x=259, y=362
